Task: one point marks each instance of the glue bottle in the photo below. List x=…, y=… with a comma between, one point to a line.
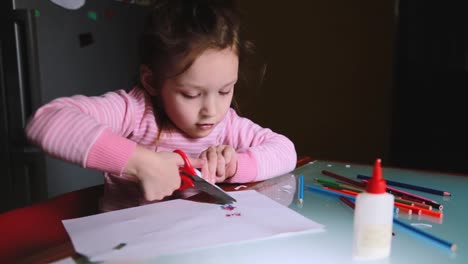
x=373, y=219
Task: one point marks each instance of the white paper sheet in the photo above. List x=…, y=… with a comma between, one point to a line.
x=64, y=261
x=179, y=225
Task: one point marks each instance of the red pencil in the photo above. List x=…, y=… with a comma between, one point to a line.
x=340, y=191
x=412, y=197
x=347, y=201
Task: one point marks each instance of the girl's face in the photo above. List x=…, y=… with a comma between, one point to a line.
x=198, y=99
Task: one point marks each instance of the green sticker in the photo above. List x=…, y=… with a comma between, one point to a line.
x=37, y=13
x=92, y=15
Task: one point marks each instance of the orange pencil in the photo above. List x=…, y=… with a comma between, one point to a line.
x=432, y=213
x=421, y=205
x=423, y=211
x=409, y=207
x=405, y=210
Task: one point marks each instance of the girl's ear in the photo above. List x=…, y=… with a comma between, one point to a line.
x=146, y=79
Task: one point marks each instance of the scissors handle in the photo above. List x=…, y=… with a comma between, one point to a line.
x=184, y=171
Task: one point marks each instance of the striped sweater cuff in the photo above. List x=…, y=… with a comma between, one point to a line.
x=110, y=153
x=246, y=168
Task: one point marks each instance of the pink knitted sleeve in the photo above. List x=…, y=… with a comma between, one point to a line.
x=262, y=153
x=67, y=128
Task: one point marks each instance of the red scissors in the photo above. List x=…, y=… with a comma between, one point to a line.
x=191, y=178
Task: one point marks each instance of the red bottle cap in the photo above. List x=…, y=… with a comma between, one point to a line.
x=376, y=183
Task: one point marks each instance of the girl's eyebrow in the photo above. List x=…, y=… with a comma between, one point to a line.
x=196, y=86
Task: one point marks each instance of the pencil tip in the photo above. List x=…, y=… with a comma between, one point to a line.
x=453, y=247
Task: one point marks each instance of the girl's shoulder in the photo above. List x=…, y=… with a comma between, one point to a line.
x=134, y=93
x=138, y=94
x=232, y=117
x=135, y=96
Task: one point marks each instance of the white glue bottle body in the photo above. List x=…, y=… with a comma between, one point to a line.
x=373, y=219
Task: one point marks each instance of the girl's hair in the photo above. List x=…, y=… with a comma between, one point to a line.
x=177, y=31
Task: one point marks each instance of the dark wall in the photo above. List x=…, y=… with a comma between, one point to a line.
x=329, y=75
x=432, y=76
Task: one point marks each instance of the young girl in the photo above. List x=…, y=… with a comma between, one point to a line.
x=190, y=54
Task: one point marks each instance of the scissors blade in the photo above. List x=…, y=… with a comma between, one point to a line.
x=211, y=189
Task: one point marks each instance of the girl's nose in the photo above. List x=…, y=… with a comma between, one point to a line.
x=209, y=107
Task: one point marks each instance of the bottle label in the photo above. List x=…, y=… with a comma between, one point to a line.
x=374, y=240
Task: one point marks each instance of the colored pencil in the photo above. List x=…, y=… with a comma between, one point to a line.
x=351, y=189
x=339, y=185
x=347, y=202
x=434, y=205
x=450, y=245
x=403, y=193
x=423, y=211
x=344, y=179
x=300, y=191
x=422, y=205
x=411, y=186
x=319, y=189
x=405, y=210
x=404, y=207
x=413, y=197
x=349, y=192
x=340, y=191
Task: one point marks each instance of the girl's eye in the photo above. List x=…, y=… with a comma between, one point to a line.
x=190, y=96
x=225, y=92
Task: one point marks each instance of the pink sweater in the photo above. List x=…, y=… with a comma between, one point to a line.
x=102, y=132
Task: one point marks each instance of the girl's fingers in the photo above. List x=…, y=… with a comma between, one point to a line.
x=212, y=157
x=227, y=154
x=206, y=173
x=220, y=168
x=231, y=166
x=203, y=155
x=218, y=162
x=197, y=162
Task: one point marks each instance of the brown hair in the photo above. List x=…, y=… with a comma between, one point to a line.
x=177, y=31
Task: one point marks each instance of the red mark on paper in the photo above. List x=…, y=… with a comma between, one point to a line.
x=233, y=214
x=228, y=207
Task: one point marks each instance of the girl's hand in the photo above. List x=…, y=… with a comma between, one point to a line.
x=158, y=172
x=222, y=162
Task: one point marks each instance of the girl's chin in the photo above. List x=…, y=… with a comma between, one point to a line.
x=195, y=132
x=199, y=133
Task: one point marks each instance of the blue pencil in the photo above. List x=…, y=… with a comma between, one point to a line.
x=410, y=186
x=328, y=192
x=300, y=191
x=442, y=242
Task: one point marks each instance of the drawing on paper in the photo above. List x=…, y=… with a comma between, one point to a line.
x=228, y=207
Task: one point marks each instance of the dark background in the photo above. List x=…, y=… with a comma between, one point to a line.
x=429, y=108
x=357, y=80
x=329, y=79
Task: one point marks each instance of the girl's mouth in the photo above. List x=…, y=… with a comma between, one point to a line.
x=205, y=126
